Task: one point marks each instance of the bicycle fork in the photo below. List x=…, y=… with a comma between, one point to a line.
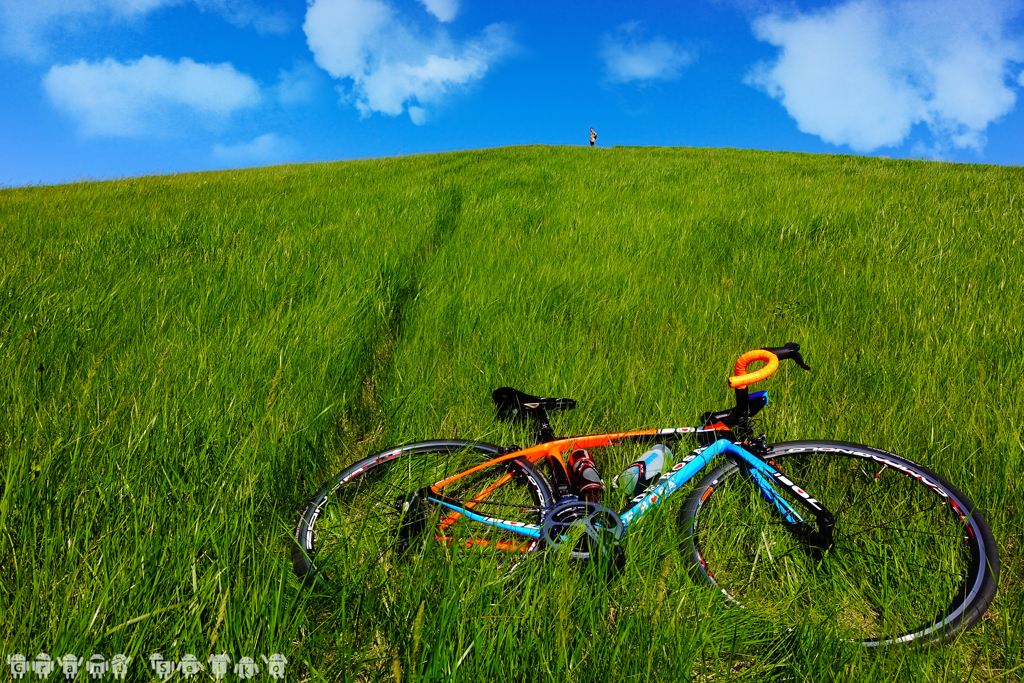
x=765, y=477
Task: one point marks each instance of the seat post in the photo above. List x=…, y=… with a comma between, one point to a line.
x=545, y=433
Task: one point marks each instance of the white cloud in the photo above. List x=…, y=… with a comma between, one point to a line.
x=25, y=25
x=418, y=115
x=392, y=67
x=299, y=84
x=863, y=73
x=628, y=57
x=247, y=14
x=115, y=99
x=444, y=10
x=267, y=148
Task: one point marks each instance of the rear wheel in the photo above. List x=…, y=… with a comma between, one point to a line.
x=912, y=560
x=377, y=514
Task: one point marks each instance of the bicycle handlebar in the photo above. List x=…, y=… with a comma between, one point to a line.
x=742, y=379
x=739, y=380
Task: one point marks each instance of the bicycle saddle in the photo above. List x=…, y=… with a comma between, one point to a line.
x=515, y=405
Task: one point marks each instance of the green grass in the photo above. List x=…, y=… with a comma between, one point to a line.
x=184, y=360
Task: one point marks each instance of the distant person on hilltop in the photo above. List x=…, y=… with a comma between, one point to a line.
x=593, y=136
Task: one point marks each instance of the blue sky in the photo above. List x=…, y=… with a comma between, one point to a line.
x=111, y=88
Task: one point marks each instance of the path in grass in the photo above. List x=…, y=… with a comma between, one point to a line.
x=185, y=359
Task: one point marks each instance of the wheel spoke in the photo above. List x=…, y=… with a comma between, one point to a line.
x=900, y=554
x=379, y=517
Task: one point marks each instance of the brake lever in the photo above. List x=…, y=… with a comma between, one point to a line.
x=790, y=351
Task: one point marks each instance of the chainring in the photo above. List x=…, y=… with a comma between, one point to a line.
x=602, y=530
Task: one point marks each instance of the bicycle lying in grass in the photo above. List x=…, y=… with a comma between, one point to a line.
x=853, y=538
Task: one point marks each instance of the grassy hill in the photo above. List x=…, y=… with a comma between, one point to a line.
x=185, y=359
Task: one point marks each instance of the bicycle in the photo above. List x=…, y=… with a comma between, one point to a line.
x=879, y=548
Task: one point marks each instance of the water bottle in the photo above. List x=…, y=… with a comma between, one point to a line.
x=643, y=473
x=585, y=476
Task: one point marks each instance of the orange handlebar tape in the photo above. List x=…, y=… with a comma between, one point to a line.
x=740, y=380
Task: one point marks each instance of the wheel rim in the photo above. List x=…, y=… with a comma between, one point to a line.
x=905, y=559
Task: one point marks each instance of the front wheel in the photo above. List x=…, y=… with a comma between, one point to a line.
x=912, y=560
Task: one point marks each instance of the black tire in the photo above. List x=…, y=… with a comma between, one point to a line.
x=913, y=560
x=371, y=515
